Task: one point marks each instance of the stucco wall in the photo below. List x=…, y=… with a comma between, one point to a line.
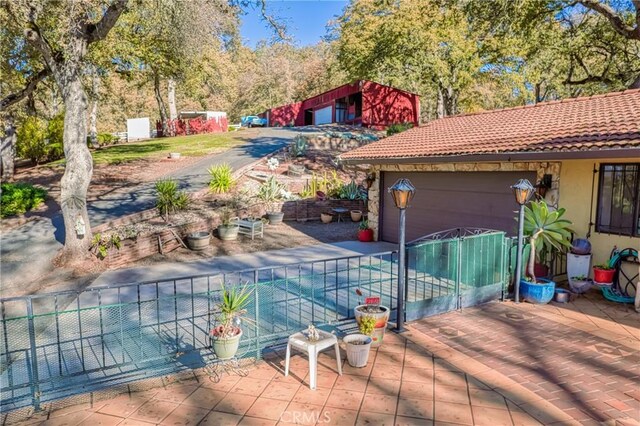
x=576, y=179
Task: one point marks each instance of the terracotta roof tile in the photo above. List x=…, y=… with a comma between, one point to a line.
x=610, y=120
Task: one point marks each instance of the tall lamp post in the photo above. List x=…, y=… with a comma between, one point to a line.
x=402, y=192
x=522, y=190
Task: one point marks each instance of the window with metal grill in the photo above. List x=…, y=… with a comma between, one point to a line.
x=619, y=199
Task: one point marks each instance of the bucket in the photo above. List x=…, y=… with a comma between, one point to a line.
x=358, y=346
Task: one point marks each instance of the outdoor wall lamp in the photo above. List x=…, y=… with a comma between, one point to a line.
x=402, y=192
x=543, y=185
x=371, y=177
x=522, y=190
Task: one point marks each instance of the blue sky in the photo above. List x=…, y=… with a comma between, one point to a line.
x=306, y=20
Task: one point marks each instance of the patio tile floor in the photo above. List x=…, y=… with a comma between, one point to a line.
x=508, y=365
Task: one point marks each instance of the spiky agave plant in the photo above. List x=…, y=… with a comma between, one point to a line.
x=545, y=228
x=232, y=307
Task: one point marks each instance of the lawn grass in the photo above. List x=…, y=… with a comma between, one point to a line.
x=190, y=146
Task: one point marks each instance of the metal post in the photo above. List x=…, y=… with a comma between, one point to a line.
x=401, y=273
x=519, y=254
x=35, y=377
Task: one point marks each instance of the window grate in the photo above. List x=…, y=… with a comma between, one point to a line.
x=619, y=199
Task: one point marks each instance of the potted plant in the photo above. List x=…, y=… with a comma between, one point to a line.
x=228, y=229
x=365, y=234
x=270, y=193
x=372, y=309
x=198, y=241
x=580, y=284
x=356, y=215
x=225, y=337
x=326, y=217
x=358, y=345
x=603, y=274
x=543, y=227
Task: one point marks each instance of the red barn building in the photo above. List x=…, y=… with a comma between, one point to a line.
x=363, y=103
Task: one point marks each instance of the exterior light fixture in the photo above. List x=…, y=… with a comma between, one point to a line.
x=402, y=192
x=371, y=177
x=522, y=190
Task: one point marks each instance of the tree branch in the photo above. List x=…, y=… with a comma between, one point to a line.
x=619, y=25
x=278, y=27
x=98, y=31
x=35, y=37
x=26, y=91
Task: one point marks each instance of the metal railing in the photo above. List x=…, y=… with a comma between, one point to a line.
x=59, y=344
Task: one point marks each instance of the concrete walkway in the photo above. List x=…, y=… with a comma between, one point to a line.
x=163, y=271
x=26, y=252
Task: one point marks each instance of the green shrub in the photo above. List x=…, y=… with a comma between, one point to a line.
x=101, y=244
x=398, y=128
x=18, y=198
x=221, y=178
x=41, y=141
x=31, y=142
x=350, y=191
x=270, y=192
x=107, y=139
x=170, y=200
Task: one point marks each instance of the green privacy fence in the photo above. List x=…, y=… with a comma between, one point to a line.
x=455, y=269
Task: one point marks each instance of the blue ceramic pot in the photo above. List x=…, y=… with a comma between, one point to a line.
x=540, y=292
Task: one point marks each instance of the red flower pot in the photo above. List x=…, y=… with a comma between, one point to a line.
x=365, y=235
x=603, y=276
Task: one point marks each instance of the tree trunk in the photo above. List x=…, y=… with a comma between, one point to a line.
x=173, y=110
x=447, y=101
x=161, y=107
x=532, y=260
x=93, y=113
x=78, y=170
x=8, y=149
x=440, y=111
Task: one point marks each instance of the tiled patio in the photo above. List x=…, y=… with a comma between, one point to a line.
x=499, y=364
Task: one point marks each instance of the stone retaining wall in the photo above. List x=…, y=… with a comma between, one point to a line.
x=303, y=210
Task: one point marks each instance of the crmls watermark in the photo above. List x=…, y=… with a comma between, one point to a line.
x=305, y=417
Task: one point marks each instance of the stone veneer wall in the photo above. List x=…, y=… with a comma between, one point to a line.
x=540, y=167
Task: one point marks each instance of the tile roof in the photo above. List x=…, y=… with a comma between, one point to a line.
x=607, y=121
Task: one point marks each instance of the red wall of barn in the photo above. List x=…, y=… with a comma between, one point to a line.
x=381, y=105
x=384, y=105
x=283, y=115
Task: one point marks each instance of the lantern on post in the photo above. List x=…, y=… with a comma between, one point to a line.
x=522, y=191
x=402, y=192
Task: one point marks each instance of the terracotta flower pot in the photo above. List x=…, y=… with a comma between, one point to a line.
x=326, y=217
x=356, y=215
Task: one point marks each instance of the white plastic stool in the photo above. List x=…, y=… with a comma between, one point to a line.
x=300, y=342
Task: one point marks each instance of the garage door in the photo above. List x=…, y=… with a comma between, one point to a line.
x=453, y=200
x=323, y=115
